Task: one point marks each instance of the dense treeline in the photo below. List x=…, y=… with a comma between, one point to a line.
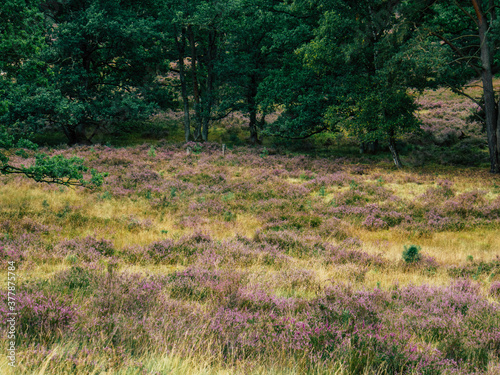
x=79, y=66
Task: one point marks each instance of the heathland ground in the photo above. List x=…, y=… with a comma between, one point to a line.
x=261, y=260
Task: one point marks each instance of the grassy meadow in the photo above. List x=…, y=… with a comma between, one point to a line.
x=259, y=261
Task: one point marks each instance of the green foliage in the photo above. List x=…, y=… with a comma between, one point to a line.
x=25, y=143
x=229, y=216
x=304, y=96
x=80, y=67
x=152, y=152
x=22, y=34
x=56, y=169
x=77, y=278
x=197, y=149
x=98, y=65
x=411, y=254
x=264, y=153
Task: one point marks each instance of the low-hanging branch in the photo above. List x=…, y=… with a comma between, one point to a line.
x=55, y=170
x=9, y=169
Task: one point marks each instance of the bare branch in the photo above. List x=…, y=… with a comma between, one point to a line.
x=463, y=93
x=466, y=12
x=456, y=49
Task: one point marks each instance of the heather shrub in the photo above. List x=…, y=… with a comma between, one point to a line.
x=354, y=196
x=495, y=289
x=272, y=256
x=194, y=244
x=374, y=223
x=341, y=300
x=428, y=265
x=199, y=284
x=135, y=254
x=349, y=251
x=475, y=269
x=42, y=317
x=333, y=228
x=76, y=278
x=88, y=248
x=159, y=252
x=25, y=224
x=457, y=317
x=291, y=242
x=126, y=293
x=10, y=253
x=257, y=300
x=235, y=252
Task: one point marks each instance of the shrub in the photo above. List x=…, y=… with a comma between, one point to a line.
x=495, y=289
x=474, y=269
x=88, y=248
x=76, y=278
x=40, y=316
x=152, y=152
x=411, y=254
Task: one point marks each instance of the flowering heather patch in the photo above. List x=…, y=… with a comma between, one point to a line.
x=349, y=252
x=450, y=130
x=475, y=269
x=9, y=253
x=26, y=224
x=246, y=259
x=291, y=243
x=202, y=185
x=199, y=284
x=42, y=317
x=126, y=293
x=21, y=246
x=444, y=121
x=495, y=289
x=88, y=249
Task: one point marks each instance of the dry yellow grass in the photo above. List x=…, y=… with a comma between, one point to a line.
x=110, y=218
x=123, y=221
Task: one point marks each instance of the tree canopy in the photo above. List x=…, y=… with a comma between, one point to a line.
x=78, y=66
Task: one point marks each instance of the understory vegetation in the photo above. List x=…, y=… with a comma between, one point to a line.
x=253, y=261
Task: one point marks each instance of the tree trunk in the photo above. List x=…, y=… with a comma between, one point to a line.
x=204, y=132
x=208, y=97
x=498, y=135
x=181, y=48
x=196, y=87
x=488, y=91
x=185, y=100
x=252, y=110
x=394, y=152
x=76, y=135
x=254, y=136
